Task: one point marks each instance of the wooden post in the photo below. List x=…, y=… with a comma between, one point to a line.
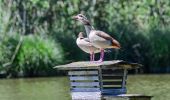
x=96, y=81
x=101, y=79
x=124, y=78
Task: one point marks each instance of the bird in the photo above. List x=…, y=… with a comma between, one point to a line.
x=98, y=38
x=85, y=45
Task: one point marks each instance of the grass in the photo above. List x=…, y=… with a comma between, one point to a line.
x=57, y=88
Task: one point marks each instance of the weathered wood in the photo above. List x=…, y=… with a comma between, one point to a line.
x=84, y=84
x=113, y=83
x=112, y=71
x=124, y=78
x=84, y=78
x=128, y=97
x=120, y=90
x=113, y=92
x=108, y=80
x=86, y=95
x=112, y=77
x=112, y=87
x=112, y=74
x=91, y=81
x=100, y=79
x=117, y=64
x=83, y=73
x=79, y=89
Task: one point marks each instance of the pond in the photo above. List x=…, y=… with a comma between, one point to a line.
x=57, y=88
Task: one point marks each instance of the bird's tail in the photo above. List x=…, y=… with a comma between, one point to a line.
x=115, y=44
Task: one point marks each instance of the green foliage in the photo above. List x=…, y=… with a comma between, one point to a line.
x=38, y=55
x=142, y=27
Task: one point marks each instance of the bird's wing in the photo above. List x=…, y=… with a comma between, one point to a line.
x=87, y=40
x=103, y=35
x=106, y=36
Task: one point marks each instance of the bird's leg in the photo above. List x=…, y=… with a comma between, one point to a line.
x=101, y=56
x=93, y=56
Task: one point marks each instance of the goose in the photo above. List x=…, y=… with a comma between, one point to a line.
x=98, y=38
x=85, y=45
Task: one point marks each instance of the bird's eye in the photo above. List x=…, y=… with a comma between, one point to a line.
x=80, y=15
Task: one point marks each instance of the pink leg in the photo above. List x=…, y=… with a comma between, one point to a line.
x=101, y=57
x=91, y=56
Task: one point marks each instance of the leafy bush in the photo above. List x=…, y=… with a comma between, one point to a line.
x=39, y=55
x=36, y=57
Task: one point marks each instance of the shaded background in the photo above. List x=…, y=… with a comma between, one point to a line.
x=45, y=34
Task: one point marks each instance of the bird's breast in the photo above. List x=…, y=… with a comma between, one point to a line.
x=86, y=46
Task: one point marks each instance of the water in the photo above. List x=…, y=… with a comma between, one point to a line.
x=34, y=89
x=155, y=85
x=57, y=88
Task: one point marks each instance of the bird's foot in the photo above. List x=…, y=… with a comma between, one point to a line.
x=99, y=61
x=92, y=61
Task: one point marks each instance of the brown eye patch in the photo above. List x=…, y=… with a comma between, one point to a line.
x=80, y=15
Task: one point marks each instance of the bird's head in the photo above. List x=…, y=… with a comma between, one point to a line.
x=80, y=35
x=83, y=19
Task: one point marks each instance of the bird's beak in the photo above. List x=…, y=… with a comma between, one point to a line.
x=75, y=17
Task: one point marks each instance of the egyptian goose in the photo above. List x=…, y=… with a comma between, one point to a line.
x=85, y=45
x=98, y=38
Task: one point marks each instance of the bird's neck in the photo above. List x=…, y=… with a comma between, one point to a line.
x=88, y=29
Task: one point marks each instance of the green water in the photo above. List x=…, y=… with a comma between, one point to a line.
x=34, y=89
x=57, y=88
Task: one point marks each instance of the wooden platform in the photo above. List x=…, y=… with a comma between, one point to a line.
x=100, y=81
x=118, y=64
x=128, y=97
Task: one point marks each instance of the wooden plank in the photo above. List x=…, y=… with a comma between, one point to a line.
x=128, y=97
x=84, y=84
x=118, y=74
x=117, y=64
x=111, y=80
x=86, y=95
x=85, y=89
x=112, y=77
x=84, y=78
x=120, y=90
x=112, y=71
x=83, y=73
x=112, y=87
x=113, y=83
x=114, y=91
